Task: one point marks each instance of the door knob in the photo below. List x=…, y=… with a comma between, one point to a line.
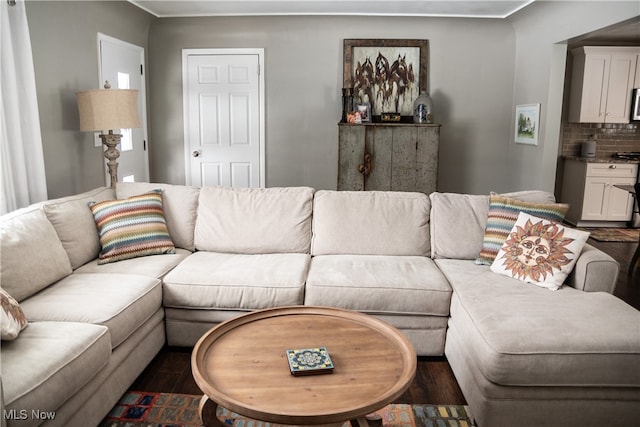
x=196, y=153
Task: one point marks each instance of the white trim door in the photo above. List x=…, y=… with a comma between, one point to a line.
x=223, y=94
x=121, y=63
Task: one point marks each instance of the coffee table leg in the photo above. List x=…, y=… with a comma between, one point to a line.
x=364, y=422
x=207, y=409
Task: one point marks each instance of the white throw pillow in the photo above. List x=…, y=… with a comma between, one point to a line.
x=539, y=251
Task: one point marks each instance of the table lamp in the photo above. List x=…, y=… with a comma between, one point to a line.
x=108, y=109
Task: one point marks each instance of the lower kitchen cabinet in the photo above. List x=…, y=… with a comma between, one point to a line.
x=589, y=188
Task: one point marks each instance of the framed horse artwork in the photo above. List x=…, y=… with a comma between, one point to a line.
x=389, y=74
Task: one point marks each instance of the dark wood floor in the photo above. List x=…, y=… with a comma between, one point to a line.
x=170, y=371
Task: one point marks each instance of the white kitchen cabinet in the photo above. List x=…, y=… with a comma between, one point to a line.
x=636, y=81
x=590, y=190
x=602, y=83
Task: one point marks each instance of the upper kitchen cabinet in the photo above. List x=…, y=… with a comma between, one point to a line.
x=602, y=84
x=636, y=84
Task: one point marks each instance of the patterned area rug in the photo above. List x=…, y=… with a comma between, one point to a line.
x=139, y=409
x=603, y=234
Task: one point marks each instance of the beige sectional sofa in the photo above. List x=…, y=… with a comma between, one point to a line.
x=523, y=355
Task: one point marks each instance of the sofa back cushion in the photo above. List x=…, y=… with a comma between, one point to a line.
x=458, y=221
x=73, y=221
x=370, y=223
x=457, y=224
x=31, y=254
x=180, y=205
x=254, y=220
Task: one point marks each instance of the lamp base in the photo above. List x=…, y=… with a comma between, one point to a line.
x=111, y=141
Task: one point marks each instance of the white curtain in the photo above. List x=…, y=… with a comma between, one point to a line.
x=23, y=179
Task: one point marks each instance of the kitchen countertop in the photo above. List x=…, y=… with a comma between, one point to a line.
x=601, y=159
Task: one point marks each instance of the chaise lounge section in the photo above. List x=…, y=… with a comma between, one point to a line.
x=523, y=355
x=539, y=357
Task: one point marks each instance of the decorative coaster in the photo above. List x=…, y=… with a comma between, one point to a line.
x=309, y=361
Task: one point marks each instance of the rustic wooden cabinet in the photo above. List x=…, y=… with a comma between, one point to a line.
x=590, y=190
x=385, y=156
x=601, y=84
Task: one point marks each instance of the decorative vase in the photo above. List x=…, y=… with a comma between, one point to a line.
x=423, y=109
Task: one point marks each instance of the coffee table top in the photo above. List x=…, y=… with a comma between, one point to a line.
x=241, y=364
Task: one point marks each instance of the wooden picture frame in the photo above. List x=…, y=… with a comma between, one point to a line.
x=388, y=73
x=527, y=124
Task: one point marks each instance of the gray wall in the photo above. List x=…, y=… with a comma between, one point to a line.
x=65, y=54
x=479, y=69
x=471, y=81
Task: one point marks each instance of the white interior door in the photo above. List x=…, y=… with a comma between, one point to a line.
x=223, y=91
x=121, y=63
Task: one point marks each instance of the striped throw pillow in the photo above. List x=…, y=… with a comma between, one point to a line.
x=132, y=227
x=503, y=214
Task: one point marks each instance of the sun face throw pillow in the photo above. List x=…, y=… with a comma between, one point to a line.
x=12, y=318
x=539, y=251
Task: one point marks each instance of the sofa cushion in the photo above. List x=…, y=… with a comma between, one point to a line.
x=378, y=284
x=12, y=317
x=254, y=220
x=458, y=221
x=132, y=227
x=73, y=221
x=51, y=361
x=539, y=251
x=526, y=335
x=31, y=255
x=153, y=266
x=122, y=302
x=180, y=208
x=502, y=215
x=212, y=280
x=457, y=224
x=370, y=223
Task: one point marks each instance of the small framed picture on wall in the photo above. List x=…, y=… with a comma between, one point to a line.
x=527, y=123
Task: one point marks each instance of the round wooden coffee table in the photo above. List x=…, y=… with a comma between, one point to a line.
x=241, y=365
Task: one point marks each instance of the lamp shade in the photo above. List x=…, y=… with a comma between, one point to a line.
x=106, y=109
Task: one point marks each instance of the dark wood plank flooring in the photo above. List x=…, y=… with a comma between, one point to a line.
x=435, y=383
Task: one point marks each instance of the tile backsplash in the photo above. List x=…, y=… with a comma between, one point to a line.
x=610, y=138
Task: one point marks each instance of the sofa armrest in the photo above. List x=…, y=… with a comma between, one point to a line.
x=595, y=271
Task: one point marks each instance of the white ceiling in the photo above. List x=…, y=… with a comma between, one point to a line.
x=449, y=8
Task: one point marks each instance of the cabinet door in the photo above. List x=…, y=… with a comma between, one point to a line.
x=351, y=149
x=594, y=98
x=427, y=159
x=595, y=196
x=403, y=159
x=621, y=74
x=620, y=203
x=379, y=144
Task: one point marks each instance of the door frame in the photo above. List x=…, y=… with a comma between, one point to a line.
x=261, y=102
x=143, y=99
